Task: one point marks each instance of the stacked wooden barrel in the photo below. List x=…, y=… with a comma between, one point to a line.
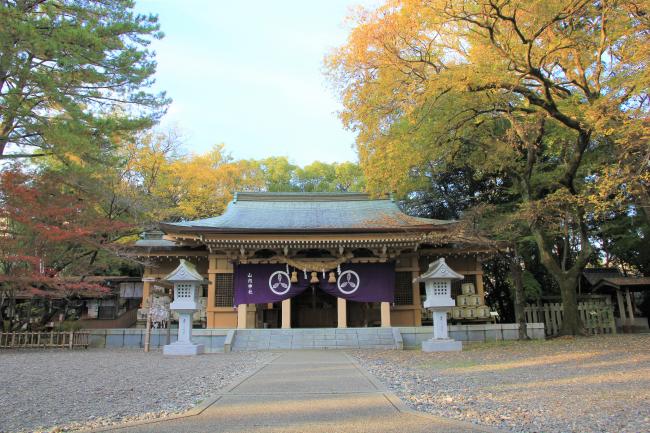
x=469, y=305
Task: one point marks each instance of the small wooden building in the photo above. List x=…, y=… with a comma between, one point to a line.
x=626, y=291
x=312, y=260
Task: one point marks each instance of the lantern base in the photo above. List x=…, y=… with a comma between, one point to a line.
x=441, y=345
x=183, y=349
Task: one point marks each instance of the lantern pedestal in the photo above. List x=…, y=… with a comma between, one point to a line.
x=181, y=349
x=441, y=341
x=440, y=345
x=184, y=346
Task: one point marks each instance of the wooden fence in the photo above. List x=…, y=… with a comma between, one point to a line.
x=597, y=316
x=70, y=340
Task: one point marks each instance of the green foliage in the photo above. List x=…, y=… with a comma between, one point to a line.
x=498, y=288
x=624, y=240
x=277, y=173
x=322, y=177
x=68, y=326
x=73, y=77
x=532, y=288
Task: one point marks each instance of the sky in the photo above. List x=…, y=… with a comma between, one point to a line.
x=249, y=74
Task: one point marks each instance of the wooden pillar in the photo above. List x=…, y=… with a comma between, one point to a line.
x=251, y=316
x=480, y=290
x=341, y=309
x=417, y=302
x=630, y=309
x=385, y=314
x=212, y=290
x=241, y=316
x=221, y=316
x=286, y=314
x=621, y=306
x=146, y=287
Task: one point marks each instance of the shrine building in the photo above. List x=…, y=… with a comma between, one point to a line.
x=315, y=260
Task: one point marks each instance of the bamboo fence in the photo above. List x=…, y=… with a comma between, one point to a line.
x=69, y=340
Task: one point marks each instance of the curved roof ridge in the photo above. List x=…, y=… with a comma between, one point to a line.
x=304, y=196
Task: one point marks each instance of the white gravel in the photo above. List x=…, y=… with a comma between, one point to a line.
x=594, y=384
x=60, y=390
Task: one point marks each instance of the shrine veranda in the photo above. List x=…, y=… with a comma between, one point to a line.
x=315, y=260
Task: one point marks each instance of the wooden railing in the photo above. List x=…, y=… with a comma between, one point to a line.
x=70, y=340
x=597, y=316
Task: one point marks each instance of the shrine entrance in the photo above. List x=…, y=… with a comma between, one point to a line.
x=313, y=308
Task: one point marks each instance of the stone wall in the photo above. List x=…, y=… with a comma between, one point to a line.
x=212, y=339
x=414, y=336
x=330, y=338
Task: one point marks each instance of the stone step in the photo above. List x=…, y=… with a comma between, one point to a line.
x=317, y=338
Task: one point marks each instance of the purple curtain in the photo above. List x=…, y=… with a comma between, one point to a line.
x=363, y=282
x=367, y=282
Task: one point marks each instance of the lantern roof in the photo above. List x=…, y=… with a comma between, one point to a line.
x=440, y=270
x=185, y=272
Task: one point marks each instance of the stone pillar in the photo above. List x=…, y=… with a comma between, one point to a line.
x=440, y=330
x=241, y=316
x=286, y=314
x=341, y=309
x=385, y=314
x=630, y=309
x=184, y=326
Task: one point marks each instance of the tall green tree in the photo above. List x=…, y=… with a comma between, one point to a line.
x=349, y=177
x=553, y=94
x=277, y=173
x=74, y=76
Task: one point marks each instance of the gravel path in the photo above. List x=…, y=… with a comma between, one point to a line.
x=595, y=384
x=89, y=388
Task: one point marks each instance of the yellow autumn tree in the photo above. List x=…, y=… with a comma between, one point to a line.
x=203, y=184
x=550, y=94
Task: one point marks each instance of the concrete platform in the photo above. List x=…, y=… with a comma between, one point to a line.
x=305, y=391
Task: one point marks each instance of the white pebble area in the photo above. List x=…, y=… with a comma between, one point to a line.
x=62, y=390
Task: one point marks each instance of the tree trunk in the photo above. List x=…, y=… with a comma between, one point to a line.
x=566, y=279
x=520, y=300
x=571, y=323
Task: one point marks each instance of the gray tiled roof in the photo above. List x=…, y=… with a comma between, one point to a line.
x=308, y=212
x=154, y=243
x=594, y=275
x=154, y=239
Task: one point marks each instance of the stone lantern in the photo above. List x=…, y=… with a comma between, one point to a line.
x=437, y=282
x=187, y=282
